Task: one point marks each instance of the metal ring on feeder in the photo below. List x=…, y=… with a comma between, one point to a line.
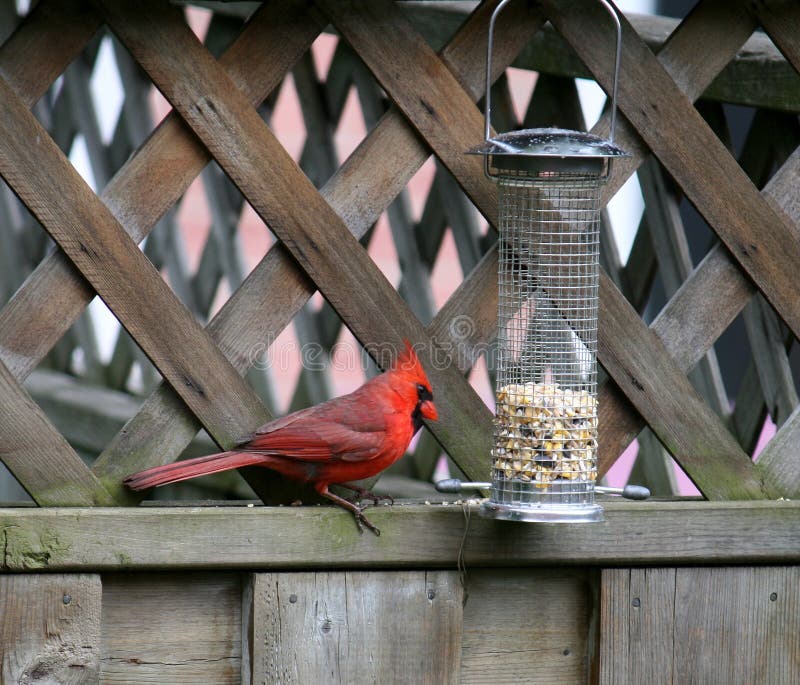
x=544, y=459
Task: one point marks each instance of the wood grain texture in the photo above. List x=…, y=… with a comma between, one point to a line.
x=737, y=625
x=286, y=200
x=432, y=101
x=637, y=620
x=50, y=628
x=726, y=625
x=778, y=17
x=351, y=626
x=706, y=3
x=421, y=85
x=413, y=536
x=64, y=27
x=686, y=325
x=671, y=245
x=159, y=417
x=779, y=460
x=38, y=455
x=692, y=67
x=172, y=628
x=757, y=75
x=526, y=626
x=87, y=415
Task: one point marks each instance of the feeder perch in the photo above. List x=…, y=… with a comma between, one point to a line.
x=544, y=456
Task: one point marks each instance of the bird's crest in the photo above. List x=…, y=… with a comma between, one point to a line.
x=408, y=363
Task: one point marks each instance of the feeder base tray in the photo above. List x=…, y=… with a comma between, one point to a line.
x=554, y=513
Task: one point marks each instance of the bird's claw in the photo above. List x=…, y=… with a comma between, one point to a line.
x=362, y=521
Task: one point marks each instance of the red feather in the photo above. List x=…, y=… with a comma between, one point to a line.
x=344, y=439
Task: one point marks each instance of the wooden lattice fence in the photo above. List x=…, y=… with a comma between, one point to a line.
x=418, y=73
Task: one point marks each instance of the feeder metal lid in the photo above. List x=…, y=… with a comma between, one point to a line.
x=548, y=142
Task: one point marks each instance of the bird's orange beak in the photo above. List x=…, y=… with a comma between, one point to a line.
x=428, y=411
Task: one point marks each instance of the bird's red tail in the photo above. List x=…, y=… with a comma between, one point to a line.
x=190, y=468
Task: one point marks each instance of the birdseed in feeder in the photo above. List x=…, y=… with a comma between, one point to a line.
x=545, y=432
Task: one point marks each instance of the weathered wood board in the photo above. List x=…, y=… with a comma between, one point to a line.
x=50, y=628
x=325, y=537
x=356, y=627
x=725, y=625
x=527, y=626
x=171, y=628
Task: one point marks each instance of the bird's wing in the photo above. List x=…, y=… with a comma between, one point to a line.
x=344, y=429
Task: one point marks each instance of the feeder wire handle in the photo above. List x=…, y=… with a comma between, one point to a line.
x=489, y=48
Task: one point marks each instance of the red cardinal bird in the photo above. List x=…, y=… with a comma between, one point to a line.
x=344, y=439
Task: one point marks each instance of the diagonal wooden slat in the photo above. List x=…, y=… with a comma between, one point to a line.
x=40, y=457
x=163, y=427
x=729, y=442
x=767, y=335
x=51, y=299
x=653, y=466
x=277, y=190
x=675, y=264
x=688, y=326
x=64, y=27
x=696, y=421
x=780, y=20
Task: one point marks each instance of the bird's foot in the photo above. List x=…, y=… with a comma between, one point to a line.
x=358, y=512
x=362, y=521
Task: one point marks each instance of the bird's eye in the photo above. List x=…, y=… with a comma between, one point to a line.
x=420, y=389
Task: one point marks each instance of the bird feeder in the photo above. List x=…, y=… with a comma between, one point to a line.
x=544, y=456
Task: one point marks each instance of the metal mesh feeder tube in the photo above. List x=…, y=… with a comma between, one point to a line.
x=544, y=454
